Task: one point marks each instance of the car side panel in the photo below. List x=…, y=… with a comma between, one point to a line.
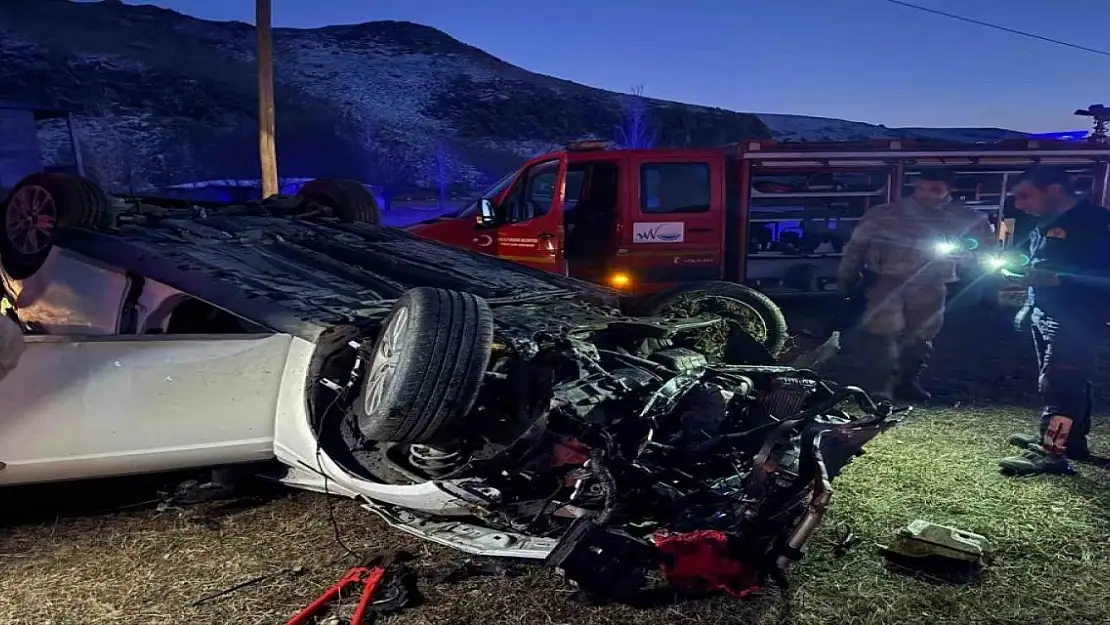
x=88, y=407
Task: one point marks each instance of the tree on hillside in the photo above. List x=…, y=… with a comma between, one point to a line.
x=372, y=157
x=106, y=150
x=385, y=166
x=635, y=130
x=442, y=174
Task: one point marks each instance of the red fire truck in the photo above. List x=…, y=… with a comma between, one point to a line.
x=768, y=215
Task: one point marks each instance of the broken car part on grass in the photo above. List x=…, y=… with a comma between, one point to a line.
x=483, y=405
x=939, y=552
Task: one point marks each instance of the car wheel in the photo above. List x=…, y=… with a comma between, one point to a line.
x=37, y=206
x=751, y=310
x=427, y=366
x=348, y=200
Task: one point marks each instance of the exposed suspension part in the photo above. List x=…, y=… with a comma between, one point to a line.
x=433, y=460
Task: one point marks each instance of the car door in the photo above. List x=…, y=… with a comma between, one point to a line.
x=528, y=218
x=81, y=407
x=84, y=400
x=677, y=219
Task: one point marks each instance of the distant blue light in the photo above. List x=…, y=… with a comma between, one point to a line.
x=1066, y=135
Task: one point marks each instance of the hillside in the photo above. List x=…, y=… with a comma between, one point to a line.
x=163, y=98
x=805, y=128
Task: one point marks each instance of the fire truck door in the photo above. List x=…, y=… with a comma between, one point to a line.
x=526, y=225
x=678, y=215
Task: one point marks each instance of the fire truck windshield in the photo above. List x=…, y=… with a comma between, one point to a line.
x=488, y=194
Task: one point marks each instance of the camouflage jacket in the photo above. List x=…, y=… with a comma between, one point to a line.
x=899, y=240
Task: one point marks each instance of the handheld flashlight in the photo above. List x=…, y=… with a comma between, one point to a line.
x=995, y=262
x=944, y=248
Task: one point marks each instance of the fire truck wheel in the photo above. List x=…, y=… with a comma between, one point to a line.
x=37, y=206
x=347, y=200
x=427, y=367
x=753, y=311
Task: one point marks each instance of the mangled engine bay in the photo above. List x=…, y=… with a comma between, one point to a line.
x=638, y=454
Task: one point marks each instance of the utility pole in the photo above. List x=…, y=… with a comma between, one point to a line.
x=266, y=151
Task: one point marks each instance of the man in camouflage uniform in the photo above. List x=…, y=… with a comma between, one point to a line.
x=902, y=243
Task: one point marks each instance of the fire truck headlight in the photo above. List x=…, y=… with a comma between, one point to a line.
x=620, y=280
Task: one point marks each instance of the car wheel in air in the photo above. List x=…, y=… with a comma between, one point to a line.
x=36, y=207
x=427, y=367
x=753, y=311
x=348, y=200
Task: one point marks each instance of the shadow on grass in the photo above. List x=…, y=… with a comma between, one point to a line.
x=44, y=503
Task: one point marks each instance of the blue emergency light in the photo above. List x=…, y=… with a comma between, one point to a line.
x=1066, y=135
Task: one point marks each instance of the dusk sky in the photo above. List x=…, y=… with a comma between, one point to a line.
x=865, y=60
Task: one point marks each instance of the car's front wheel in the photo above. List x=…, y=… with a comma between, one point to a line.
x=427, y=367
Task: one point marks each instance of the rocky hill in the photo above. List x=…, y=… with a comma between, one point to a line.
x=806, y=128
x=164, y=98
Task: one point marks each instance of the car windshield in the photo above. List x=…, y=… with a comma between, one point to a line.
x=488, y=194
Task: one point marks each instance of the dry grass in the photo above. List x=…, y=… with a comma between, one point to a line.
x=1050, y=534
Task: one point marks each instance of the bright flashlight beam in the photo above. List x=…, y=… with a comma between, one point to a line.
x=945, y=247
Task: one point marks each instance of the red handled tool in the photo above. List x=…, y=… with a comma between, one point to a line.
x=368, y=576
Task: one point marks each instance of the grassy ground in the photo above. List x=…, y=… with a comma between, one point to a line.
x=1053, y=556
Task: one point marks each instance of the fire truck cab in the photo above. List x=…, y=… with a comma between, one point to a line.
x=769, y=215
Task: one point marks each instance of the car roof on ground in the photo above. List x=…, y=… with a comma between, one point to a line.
x=301, y=276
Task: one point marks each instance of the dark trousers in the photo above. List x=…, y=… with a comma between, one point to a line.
x=1067, y=353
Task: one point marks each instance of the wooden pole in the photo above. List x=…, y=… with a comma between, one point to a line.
x=266, y=151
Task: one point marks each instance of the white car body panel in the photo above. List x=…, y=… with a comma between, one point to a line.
x=88, y=407
x=466, y=537
x=295, y=446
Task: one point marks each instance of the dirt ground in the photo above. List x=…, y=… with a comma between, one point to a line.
x=140, y=565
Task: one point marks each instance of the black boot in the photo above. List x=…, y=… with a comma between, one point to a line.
x=878, y=355
x=1078, y=448
x=911, y=363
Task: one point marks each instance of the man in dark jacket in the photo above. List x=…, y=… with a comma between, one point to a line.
x=1067, y=307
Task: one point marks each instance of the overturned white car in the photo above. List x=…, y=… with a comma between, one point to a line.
x=471, y=401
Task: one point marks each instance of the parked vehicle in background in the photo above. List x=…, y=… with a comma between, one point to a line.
x=771, y=216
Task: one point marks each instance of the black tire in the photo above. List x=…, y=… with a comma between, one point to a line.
x=427, y=368
x=74, y=202
x=759, y=316
x=348, y=200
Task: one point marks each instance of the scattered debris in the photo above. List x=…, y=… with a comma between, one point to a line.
x=705, y=561
x=939, y=552
x=845, y=540
x=481, y=567
x=292, y=571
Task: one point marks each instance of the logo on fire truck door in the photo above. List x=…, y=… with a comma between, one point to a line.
x=659, y=232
